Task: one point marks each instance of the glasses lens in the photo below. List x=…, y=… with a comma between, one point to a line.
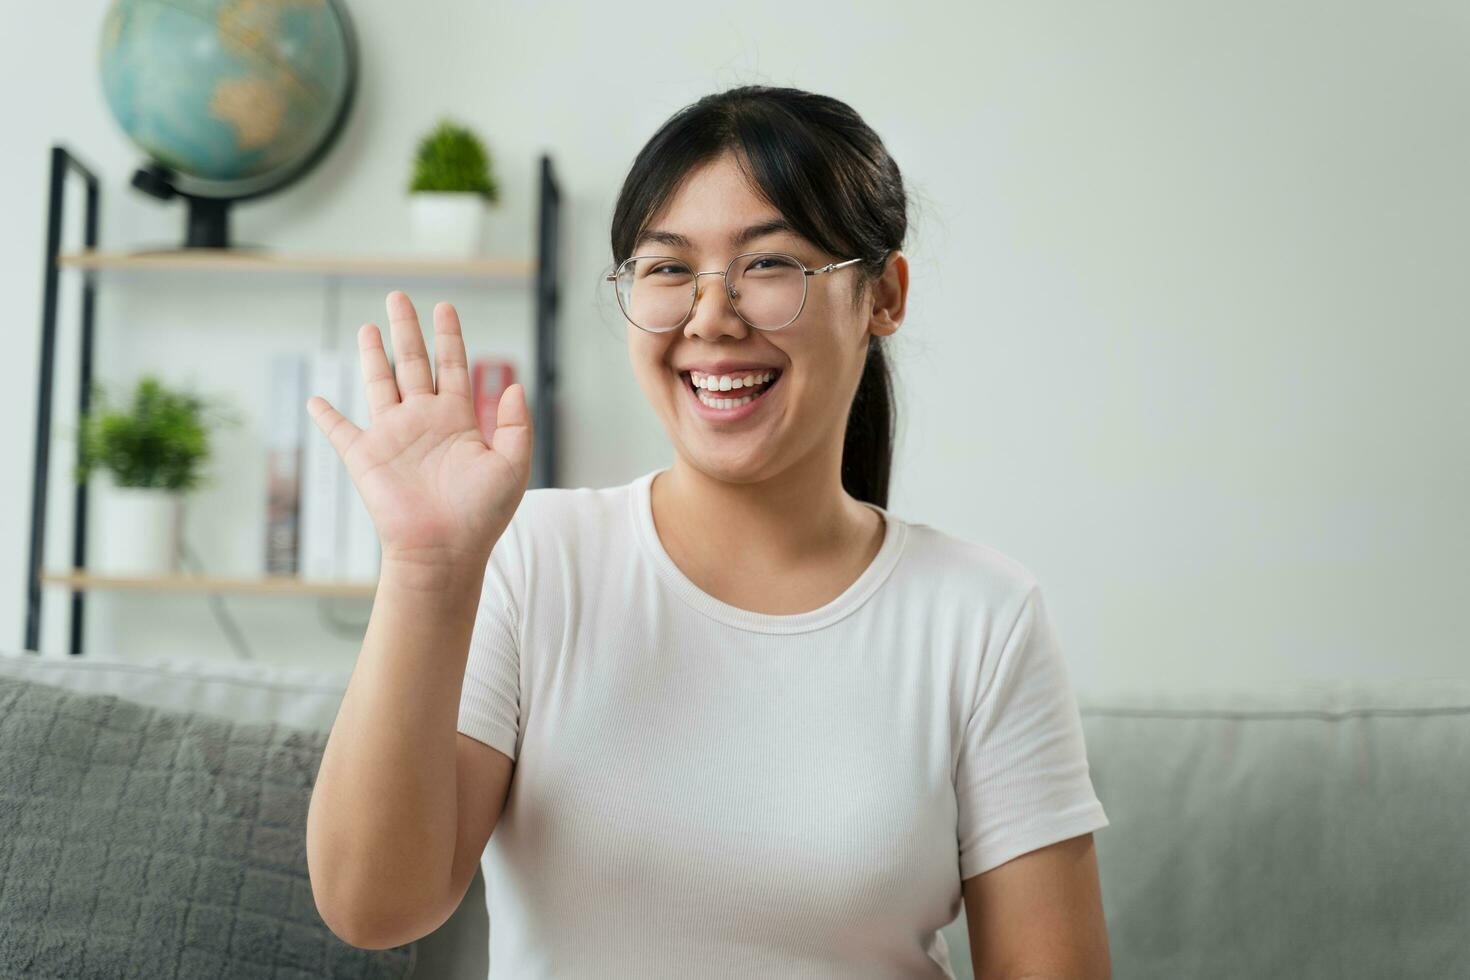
x=655, y=291
x=767, y=289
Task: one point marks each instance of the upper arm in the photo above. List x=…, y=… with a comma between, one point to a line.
x=488, y=722
x=483, y=775
x=1039, y=914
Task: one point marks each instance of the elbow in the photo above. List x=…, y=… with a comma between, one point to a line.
x=367, y=932
x=368, y=940
x=335, y=916
x=368, y=911
x=368, y=926
x=342, y=914
x=340, y=900
x=331, y=899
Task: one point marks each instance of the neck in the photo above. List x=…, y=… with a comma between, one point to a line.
x=800, y=515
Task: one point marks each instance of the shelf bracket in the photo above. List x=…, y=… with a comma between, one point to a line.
x=62, y=164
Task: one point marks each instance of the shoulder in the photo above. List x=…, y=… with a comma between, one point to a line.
x=957, y=570
x=974, y=607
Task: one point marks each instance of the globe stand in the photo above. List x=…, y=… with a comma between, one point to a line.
x=208, y=218
x=209, y=223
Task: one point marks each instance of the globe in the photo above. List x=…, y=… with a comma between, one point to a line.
x=229, y=99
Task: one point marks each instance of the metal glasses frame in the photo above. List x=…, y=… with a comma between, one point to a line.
x=612, y=277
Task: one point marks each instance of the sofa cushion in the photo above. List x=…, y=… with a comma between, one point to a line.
x=1305, y=832
x=249, y=691
x=141, y=841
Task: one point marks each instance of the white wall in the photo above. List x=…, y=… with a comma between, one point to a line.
x=1187, y=322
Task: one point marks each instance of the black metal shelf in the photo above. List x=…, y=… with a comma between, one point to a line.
x=544, y=272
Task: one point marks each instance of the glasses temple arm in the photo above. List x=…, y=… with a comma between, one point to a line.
x=832, y=265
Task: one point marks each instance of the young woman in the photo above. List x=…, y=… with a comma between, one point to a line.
x=759, y=725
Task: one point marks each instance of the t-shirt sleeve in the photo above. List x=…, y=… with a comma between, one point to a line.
x=1022, y=779
x=489, y=703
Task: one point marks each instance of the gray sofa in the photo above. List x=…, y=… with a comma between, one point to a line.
x=1300, y=833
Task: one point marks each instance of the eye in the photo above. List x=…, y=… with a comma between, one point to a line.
x=674, y=267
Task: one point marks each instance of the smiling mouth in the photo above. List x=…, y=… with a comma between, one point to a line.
x=734, y=397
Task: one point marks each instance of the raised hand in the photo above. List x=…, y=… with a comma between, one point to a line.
x=435, y=491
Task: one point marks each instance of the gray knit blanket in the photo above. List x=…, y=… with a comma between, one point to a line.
x=141, y=842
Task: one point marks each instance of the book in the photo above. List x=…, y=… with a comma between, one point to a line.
x=489, y=377
x=286, y=420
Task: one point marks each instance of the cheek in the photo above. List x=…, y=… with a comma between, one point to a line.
x=659, y=389
x=646, y=357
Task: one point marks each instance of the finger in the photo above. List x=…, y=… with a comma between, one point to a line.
x=377, y=375
x=513, y=431
x=410, y=357
x=340, y=431
x=451, y=369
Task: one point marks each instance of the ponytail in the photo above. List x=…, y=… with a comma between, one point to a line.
x=867, y=447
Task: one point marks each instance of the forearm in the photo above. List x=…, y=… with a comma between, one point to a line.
x=382, y=823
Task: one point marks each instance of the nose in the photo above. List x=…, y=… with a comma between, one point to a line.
x=713, y=315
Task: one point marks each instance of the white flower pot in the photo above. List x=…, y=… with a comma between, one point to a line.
x=137, y=531
x=447, y=223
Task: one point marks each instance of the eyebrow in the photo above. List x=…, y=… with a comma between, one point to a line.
x=738, y=239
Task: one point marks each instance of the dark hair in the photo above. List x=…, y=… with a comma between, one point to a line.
x=828, y=174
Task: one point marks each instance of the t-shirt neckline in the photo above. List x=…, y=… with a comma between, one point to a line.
x=895, y=531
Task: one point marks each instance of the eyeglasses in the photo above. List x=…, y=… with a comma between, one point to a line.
x=767, y=289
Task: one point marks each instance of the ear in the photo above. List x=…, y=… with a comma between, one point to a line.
x=890, y=294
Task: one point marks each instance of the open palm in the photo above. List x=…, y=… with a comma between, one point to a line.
x=435, y=491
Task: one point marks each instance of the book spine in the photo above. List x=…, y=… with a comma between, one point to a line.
x=489, y=377
x=286, y=422
x=322, y=472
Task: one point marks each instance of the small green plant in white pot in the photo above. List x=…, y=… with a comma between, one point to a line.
x=453, y=184
x=151, y=452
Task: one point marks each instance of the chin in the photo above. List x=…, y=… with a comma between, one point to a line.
x=727, y=464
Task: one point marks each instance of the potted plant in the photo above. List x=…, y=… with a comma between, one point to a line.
x=152, y=452
x=451, y=187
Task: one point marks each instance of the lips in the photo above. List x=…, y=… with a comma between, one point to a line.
x=757, y=395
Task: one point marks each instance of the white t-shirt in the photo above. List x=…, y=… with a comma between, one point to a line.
x=702, y=790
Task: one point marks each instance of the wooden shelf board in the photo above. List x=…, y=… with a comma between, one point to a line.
x=265, y=585
x=243, y=260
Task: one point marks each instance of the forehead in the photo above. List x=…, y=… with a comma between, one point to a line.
x=775, y=230
x=715, y=208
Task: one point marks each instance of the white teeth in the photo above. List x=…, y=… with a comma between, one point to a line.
x=706, y=384
x=724, y=402
x=726, y=382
